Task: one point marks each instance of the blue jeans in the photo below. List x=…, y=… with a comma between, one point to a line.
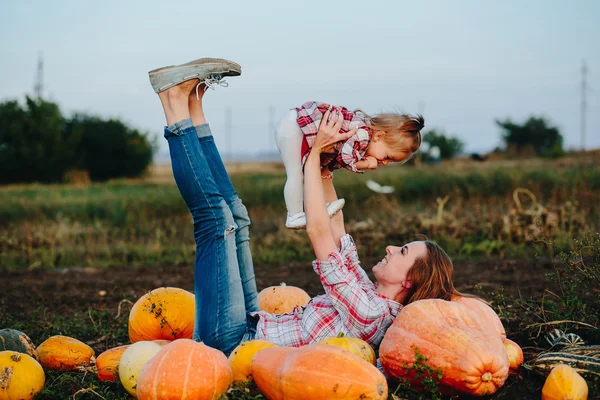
x=224, y=283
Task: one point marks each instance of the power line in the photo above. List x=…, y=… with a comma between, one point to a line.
x=584, y=72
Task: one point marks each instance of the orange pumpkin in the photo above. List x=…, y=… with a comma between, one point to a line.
x=65, y=353
x=163, y=313
x=316, y=372
x=564, y=383
x=282, y=299
x=185, y=369
x=355, y=345
x=515, y=354
x=485, y=312
x=107, y=364
x=21, y=377
x=241, y=357
x=452, y=338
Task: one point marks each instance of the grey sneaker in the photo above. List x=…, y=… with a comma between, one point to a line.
x=208, y=70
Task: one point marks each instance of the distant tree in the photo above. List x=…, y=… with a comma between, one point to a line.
x=109, y=148
x=449, y=146
x=38, y=144
x=33, y=146
x=535, y=134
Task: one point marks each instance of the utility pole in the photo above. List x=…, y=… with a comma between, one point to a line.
x=584, y=71
x=38, y=87
x=228, y=129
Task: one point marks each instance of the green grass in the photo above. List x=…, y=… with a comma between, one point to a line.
x=139, y=222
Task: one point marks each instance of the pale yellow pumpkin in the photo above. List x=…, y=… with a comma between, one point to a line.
x=564, y=383
x=21, y=377
x=282, y=299
x=355, y=345
x=241, y=357
x=132, y=361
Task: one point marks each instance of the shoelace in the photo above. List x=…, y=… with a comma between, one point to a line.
x=210, y=82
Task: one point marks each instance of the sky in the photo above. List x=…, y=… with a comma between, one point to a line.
x=462, y=64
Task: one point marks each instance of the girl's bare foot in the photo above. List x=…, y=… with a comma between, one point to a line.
x=175, y=101
x=195, y=105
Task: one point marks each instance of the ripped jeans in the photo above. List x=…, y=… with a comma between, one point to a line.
x=224, y=283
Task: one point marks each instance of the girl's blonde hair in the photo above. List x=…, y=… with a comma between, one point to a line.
x=397, y=127
x=432, y=276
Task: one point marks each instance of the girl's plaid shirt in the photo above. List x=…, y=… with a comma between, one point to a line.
x=349, y=305
x=348, y=152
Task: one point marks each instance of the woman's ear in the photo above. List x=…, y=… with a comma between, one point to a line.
x=407, y=283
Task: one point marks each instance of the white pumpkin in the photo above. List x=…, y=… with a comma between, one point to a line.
x=132, y=361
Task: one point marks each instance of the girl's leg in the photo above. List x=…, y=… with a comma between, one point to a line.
x=238, y=210
x=288, y=137
x=220, y=312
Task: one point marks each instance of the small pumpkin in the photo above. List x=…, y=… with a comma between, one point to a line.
x=515, y=354
x=64, y=353
x=12, y=339
x=21, y=376
x=452, y=338
x=316, y=372
x=485, y=312
x=241, y=357
x=185, y=369
x=355, y=345
x=564, y=383
x=282, y=299
x=164, y=313
x=132, y=361
x=107, y=364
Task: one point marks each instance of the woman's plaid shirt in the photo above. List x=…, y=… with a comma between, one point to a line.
x=348, y=152
x=349, y=305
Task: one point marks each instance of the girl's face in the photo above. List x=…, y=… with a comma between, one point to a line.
x=395, y=266
x=384, y=155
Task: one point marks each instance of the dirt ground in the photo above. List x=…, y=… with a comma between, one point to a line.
x=76, y=289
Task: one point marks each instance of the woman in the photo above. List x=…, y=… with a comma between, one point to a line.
x=224, y=284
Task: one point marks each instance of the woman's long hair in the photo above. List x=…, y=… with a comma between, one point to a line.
x=432, y=276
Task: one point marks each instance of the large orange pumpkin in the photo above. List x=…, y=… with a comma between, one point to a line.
x=316, y=372
x=452, y=338
x=163, y=313
x=21, y=377
x=515, y=354
x=185, y=369
x=107, y=363
x=241, y=357
x=65, y=353
x=355, y=345
x=282, y=299
x=485, y=312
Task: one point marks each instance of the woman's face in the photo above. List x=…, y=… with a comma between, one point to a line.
x=394, y=268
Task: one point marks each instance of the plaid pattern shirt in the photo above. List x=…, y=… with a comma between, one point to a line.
x=348, y=152
x=349, y=305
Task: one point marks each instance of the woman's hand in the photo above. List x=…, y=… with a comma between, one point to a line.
x=329, y=132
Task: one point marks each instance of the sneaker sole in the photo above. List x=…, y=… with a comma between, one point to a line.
x=208, y=66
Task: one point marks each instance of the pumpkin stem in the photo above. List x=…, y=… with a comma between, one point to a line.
x=340, y=335
x=487, y=377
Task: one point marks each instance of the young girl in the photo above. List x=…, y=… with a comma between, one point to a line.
x=375, y=140
x=224, y=285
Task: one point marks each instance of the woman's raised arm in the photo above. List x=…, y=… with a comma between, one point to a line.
x=317, y=220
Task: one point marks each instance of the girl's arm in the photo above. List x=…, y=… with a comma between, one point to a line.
x=369, y=162
x=317, y=219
